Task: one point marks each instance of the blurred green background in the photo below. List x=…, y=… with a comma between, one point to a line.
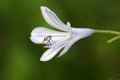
x=91, y=58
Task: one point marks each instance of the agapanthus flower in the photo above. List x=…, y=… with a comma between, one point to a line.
x=57, y=40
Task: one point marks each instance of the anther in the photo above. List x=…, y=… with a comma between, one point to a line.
x=48, y=39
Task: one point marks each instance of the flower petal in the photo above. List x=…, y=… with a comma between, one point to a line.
x=82, y=32
x=37, y=39
x=77, y=33
x=69, y=44
x=50, y=53
x=60, y=43
x=52, y=19
x=38, y=34
x=45, y=31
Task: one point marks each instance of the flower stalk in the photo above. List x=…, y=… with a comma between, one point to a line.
x=113, y=39
x=109, y=32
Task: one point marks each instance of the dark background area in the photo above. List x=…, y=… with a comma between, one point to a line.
x=91, y=58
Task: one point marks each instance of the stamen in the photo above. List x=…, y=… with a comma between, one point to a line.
x=48, y=40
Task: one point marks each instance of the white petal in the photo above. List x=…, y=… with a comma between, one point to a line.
x=39, y=33
x=69, y=44
x=37, y=39
x=77, y=34
x=45, y=31
x=69, y=27
x=82, y=32
x=52, y=19
x=50, y=53
x=60, y=42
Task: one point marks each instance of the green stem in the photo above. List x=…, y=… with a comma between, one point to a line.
x=113, y=39
x=107, y=31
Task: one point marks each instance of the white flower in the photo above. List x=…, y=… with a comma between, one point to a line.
x=57, y=40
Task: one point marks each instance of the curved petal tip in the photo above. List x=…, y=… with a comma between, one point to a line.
x=52, y=19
